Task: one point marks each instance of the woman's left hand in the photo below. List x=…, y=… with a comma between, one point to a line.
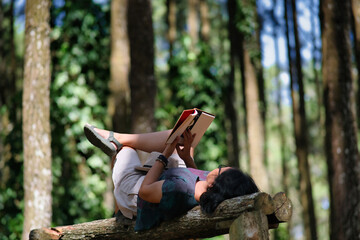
x=184, y=151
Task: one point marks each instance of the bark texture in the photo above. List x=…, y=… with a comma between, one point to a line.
x=250, y=226
x=192, y=225
x=171, y=21
x=341, y=134
x=316, y=56
x=205, y=23
x=36, y=112
x=119, y=101
x=193, y=21
x=255, y=125
x=253, y=92
x=142, y=79
x=356, y=30
x=231, y=111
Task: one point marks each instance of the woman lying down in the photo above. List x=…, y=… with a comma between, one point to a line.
x=173, y=185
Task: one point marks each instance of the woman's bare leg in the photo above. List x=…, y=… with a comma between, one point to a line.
x=147, y=142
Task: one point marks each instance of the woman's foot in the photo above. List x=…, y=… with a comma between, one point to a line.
x=103, y=139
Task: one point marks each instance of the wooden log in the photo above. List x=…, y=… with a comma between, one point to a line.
x=282, y=207
x=194, y=224
x=282, y=210
x=265, y=203
x=250, y=226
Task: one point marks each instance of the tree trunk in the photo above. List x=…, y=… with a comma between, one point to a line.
x=255, y=125
x=12, y=75
x=36, y=112
x=316, y=55
x=341, y=131
x=2, y=93
x=193, y=22
x=260, y=79
x=119, y=102
x=231, y=112
x=279, y=87
x=142, y=79
x=171, y=21
x=205, y=24
x=2, y=58
x=356, y=30
x=250, y=59
x=281, y=126
x=299, y=119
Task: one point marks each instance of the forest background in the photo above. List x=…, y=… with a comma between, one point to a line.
x=281, y=77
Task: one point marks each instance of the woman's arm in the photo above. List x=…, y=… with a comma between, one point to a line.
x=151, y=188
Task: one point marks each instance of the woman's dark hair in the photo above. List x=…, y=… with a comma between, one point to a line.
x=229, y=184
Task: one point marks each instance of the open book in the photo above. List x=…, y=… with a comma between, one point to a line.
x=196, y=120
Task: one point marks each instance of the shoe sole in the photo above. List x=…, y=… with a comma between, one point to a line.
x=97, y=140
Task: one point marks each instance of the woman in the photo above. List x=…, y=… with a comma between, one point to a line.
x=162, y=195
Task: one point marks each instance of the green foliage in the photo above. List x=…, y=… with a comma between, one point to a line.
x=79, y=92
x=245, y=17
x=247, y=25
x=11, y=185
x=11, y=205
x=11, y=159
x=222, y=237
x=193, y=82
x=281, y=233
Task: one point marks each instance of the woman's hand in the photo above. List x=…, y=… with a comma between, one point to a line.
x=185, y=150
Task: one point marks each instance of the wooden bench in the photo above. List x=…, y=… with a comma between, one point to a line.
x=245, y=217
